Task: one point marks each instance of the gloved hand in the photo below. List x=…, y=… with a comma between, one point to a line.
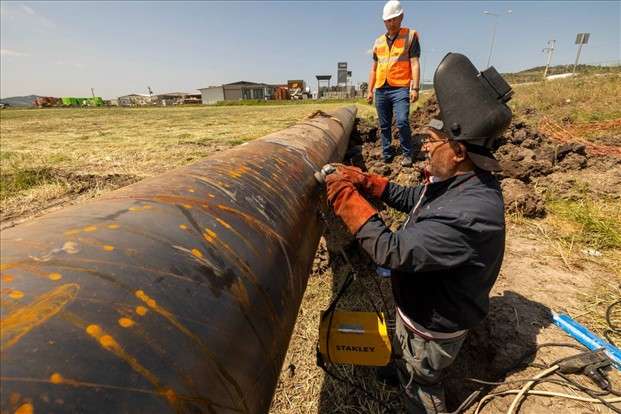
x=347, y=202
x=370, y=184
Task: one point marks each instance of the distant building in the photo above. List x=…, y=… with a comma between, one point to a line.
x=177, y=98
x=236, y=91
x=135, y=99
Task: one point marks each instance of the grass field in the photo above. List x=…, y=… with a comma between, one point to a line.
x=53, y=154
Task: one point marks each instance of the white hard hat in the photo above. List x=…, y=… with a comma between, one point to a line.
x=392, y=9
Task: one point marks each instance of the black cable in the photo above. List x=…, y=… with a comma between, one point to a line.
x=381, y=292
x=587, y=391
x=611, y=327
x=484, y=390
x=364, y=287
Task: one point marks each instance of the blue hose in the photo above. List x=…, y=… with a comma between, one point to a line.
x=587, y=338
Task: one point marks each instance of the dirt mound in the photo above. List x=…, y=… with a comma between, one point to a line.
x=520, y=198
x=524, y=153
x=423, y=115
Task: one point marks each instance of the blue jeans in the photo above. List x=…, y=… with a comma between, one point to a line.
x=397, y=101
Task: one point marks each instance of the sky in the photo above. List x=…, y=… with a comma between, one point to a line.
x=117, y=48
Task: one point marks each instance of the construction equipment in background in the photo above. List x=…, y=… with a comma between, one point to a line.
x=297, y=89
x=281, y=93
x=67, y=101
x=47, y=102
x=80, y=102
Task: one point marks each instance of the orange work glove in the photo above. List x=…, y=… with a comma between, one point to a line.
x=370, y=184
x=347, y=202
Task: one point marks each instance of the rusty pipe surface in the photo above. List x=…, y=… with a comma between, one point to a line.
x=176, y=294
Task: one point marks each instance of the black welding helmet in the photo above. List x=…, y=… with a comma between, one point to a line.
x=473, y=106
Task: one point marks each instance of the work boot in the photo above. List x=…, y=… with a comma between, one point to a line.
x=388, y=374
x=425, y=399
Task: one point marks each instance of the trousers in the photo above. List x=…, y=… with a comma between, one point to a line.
x=389, y=101
x=420, y=363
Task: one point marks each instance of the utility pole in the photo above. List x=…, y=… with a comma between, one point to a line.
x=581, y=39
x=93, y=92
x=550, y=51
x=496, y=17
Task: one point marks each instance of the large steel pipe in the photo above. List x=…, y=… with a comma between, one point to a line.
x=176, y=294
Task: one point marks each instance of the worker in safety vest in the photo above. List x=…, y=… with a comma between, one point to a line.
x=394, y=78
x=446, y=256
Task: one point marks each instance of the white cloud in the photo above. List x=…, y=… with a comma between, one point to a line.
x=9, y=52
x=27, y=9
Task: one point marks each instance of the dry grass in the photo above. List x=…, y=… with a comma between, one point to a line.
x=576, y=100
x=47, y=155
x=595, y=303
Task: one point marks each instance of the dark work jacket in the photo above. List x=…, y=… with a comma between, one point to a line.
x=446, y=257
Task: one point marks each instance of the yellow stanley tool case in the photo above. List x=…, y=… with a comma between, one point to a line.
x=358, y=338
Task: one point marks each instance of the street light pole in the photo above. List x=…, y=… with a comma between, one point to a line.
x=423, y=59
x=491, y=48
x=550, y=51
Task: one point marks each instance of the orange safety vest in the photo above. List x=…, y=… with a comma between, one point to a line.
x=393, y=64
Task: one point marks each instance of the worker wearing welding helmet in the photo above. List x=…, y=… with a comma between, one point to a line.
x=447, y=255
x=394, y=80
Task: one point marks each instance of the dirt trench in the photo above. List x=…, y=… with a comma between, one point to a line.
x=70, y=187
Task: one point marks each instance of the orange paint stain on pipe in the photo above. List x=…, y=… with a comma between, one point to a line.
x=110, y=344
x=21, y=321
x=197, y=253
x=223, y=223
x=7, y=266
x=183, y=226
x=146, y=299
x=140, y=294
x=151, y=303
x=55, y=276
x=56, y=378
x=188, y=206
x=249, y=245
x=27, y=408
x=107, y=247
x=16, y=294
x=6, y=278
x=113, y=226
x=141, y=310
x=209, y=235
x=89, y=229
x=126, y=322
x=239, y=291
